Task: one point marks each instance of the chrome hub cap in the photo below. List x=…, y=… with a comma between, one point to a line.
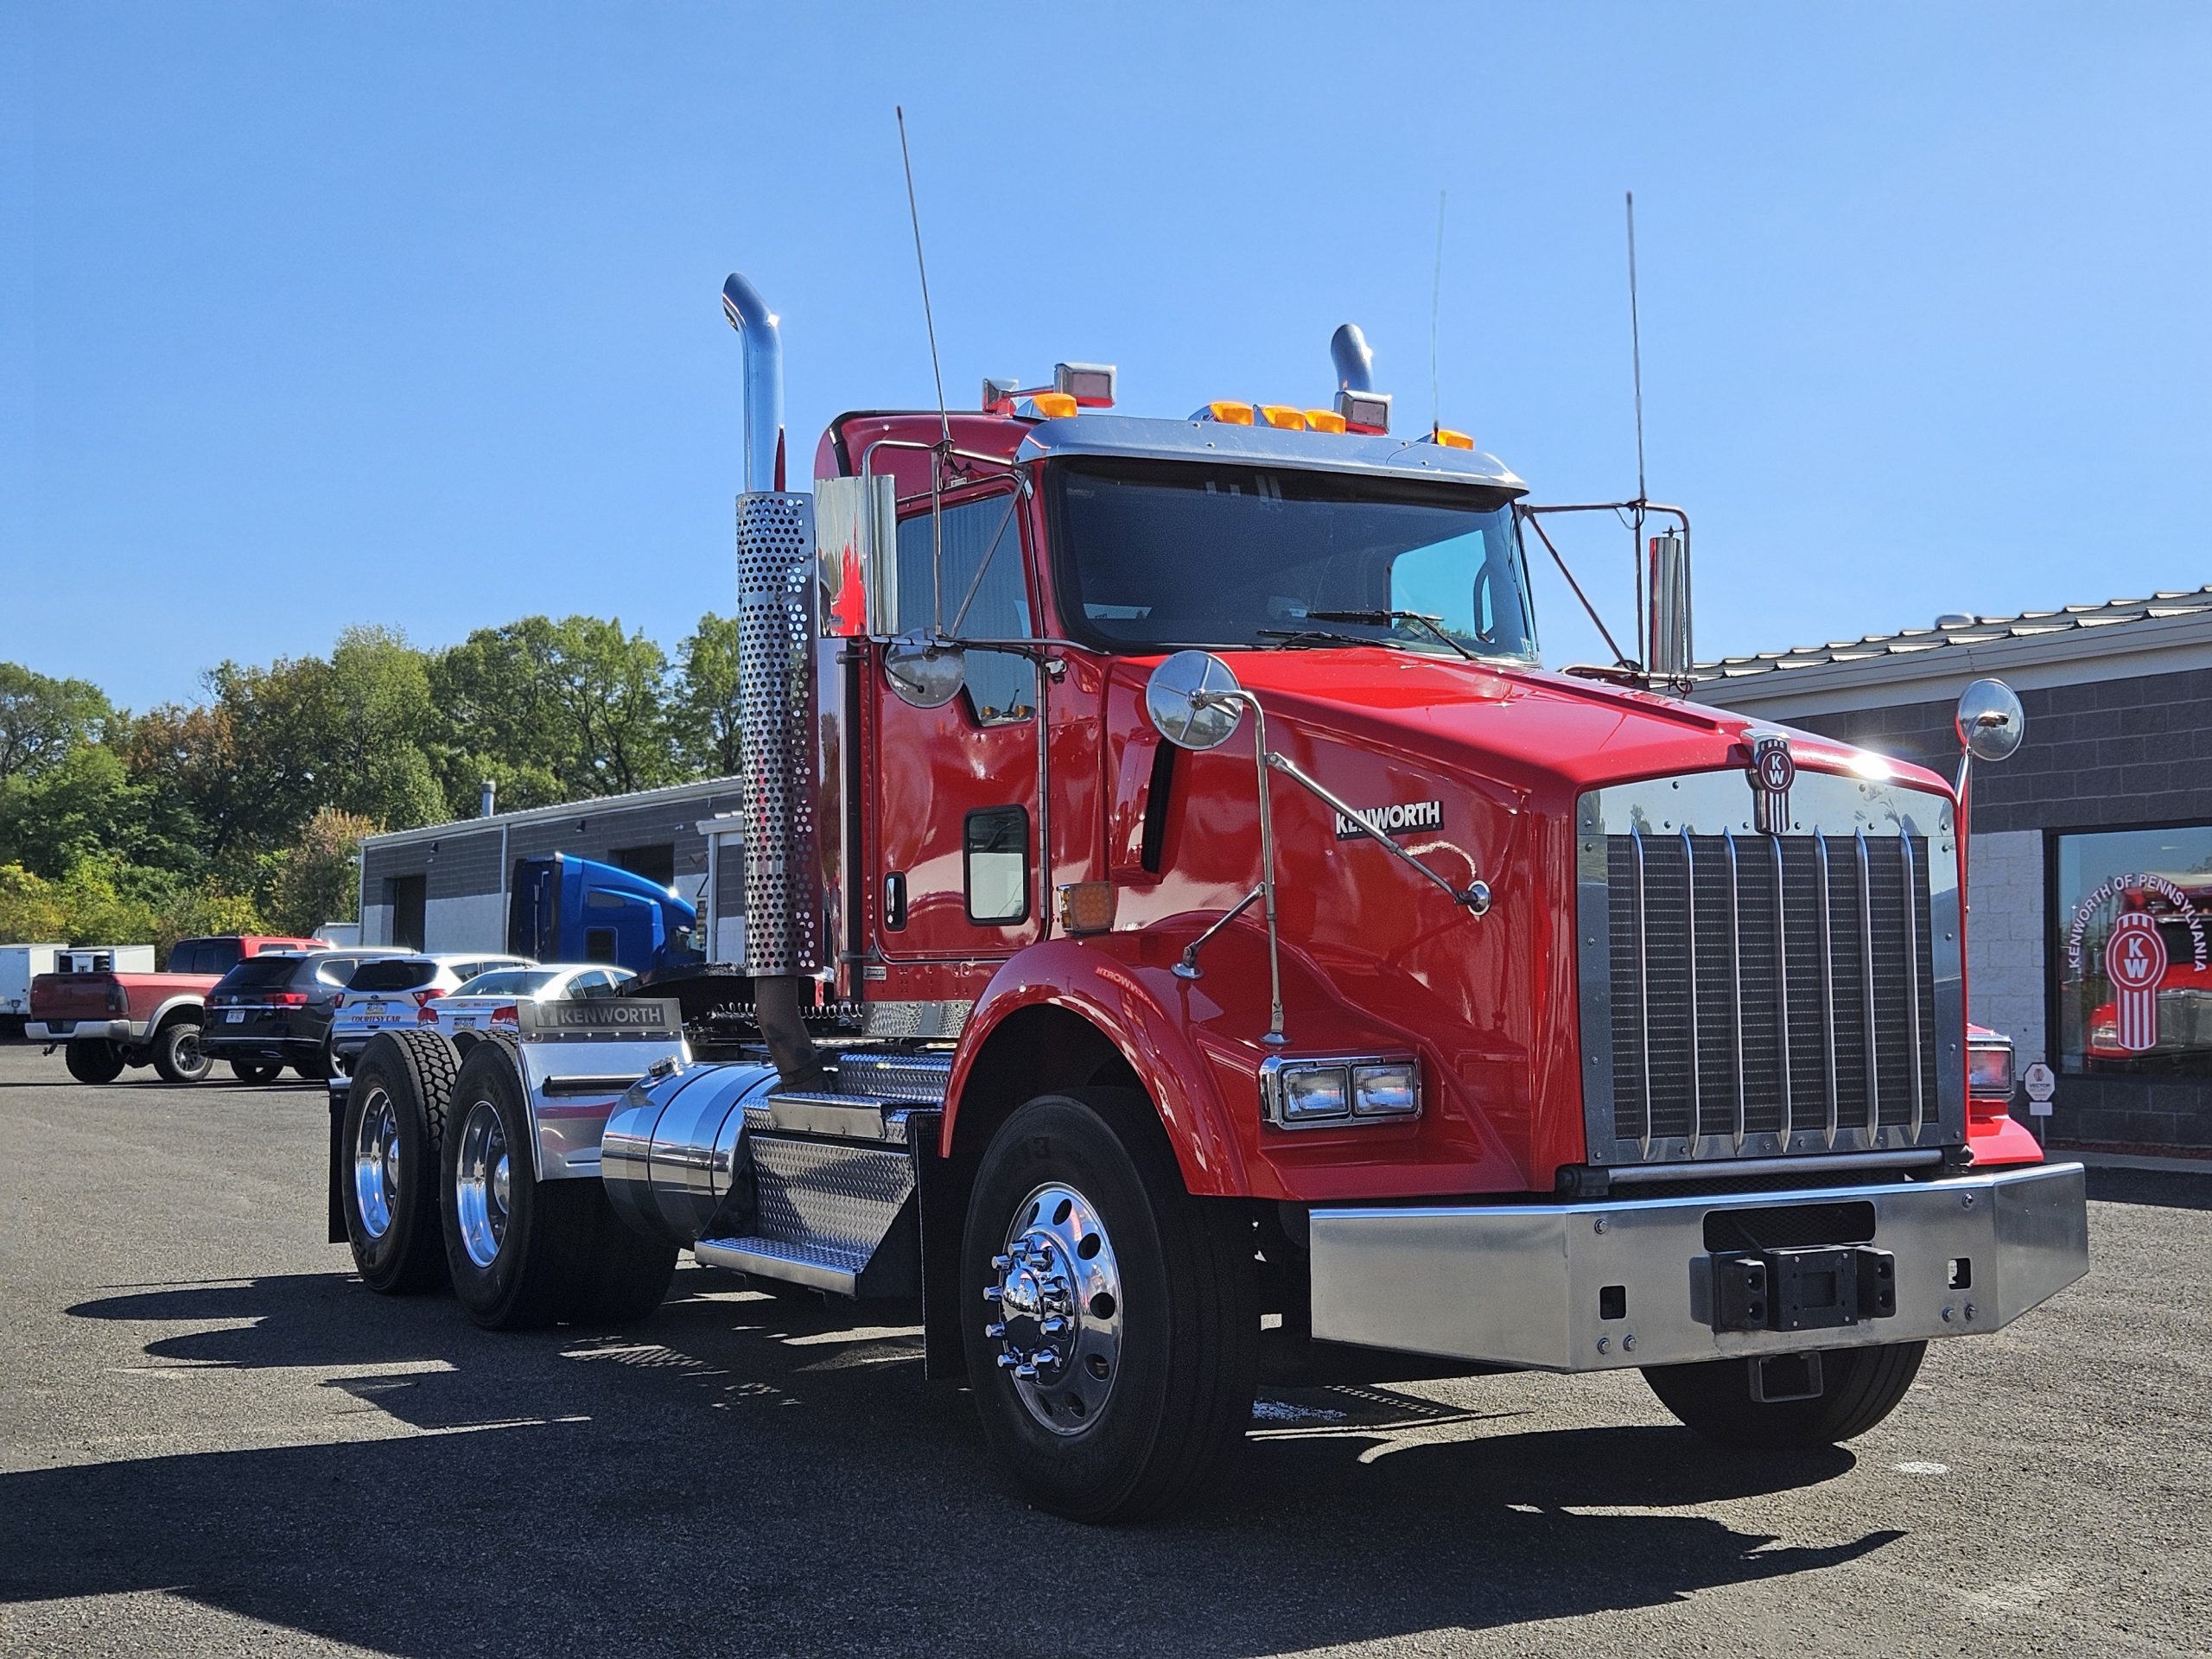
x=376, y=1164
x=1057, y=1308
x=480, y=1184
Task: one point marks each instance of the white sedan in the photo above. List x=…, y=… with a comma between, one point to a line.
x=487, y=1001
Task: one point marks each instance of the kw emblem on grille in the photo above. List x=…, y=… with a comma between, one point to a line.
x=1773, y=769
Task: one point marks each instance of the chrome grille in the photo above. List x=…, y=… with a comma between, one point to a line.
x=1745, y=994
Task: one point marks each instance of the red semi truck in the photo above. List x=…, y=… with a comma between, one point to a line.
x=1183, y=914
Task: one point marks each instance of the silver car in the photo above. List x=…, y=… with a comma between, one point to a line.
x=390, y=995
x=487, y=1002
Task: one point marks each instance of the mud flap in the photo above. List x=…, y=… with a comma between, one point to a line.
x=336, y=1091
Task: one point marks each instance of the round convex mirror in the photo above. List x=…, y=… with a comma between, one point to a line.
x=1991, y=721
x=925, y=674
x=1182, y=698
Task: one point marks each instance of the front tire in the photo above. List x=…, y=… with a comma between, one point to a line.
x=1111, y=1320
x=257, y=1070
x=396, y=1112
x=177, y=1054
x=523, y=1253
x=93, y=1059
x=1859, y=1387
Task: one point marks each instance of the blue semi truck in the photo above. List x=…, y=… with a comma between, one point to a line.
x=563, y=908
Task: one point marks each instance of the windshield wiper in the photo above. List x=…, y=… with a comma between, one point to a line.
x=1326, y=637
x=1433, y=625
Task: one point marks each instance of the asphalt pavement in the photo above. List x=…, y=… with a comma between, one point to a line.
x=213, y=1439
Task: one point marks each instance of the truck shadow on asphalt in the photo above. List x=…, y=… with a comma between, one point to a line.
x=744, y=1474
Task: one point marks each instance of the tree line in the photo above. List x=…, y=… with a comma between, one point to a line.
x=243, y=811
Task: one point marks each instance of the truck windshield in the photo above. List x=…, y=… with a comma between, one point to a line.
x=1159, y=554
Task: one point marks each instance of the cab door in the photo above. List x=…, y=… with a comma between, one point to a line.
x=954, y=789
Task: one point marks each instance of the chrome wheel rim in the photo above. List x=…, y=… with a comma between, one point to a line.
x=376, y=1164
x=481, y=1184
x=1057, y=1308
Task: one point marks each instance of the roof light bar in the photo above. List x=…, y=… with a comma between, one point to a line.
x=1228, y=412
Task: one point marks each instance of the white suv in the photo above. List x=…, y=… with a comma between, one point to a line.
x=390, y=995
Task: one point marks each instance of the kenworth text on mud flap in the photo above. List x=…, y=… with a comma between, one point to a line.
x=1183, y=916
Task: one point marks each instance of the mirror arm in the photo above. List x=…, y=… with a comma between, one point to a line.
x=1475, y=899
x=1188, y=967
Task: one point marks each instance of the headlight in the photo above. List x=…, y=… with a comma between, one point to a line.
x=1391, y=1088
x=1302, y=1094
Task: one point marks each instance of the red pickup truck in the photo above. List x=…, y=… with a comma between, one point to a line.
x=106, y=1021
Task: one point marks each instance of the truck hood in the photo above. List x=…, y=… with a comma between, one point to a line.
x=1534, y=731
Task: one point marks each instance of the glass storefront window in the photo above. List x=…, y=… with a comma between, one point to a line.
x=2132, y=952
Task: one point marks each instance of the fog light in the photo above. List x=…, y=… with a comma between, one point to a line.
x=1311, y=1093
x=1390, y=1090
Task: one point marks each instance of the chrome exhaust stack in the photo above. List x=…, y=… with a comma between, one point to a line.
x=779, y=704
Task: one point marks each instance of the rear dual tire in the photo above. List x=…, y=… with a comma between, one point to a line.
x=1859, y=1387
x=523, y=1253
x=395, y=1122
x=177, y=1054
x=93, y=1059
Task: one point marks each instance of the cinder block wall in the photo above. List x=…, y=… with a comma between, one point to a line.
x=2108, y=754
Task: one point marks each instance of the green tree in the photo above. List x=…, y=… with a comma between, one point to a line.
x=704, y=705
x=86, y=805
x=579, y=698
x=42, y=718
x=316, y=879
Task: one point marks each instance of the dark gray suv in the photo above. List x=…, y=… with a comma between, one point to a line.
x=274, y=1011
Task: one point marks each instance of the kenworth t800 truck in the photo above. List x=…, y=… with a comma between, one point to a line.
x=1180, y=907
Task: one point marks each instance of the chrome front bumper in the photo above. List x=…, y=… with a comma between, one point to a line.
x=1531, y=1285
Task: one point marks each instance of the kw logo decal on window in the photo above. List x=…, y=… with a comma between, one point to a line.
x=1402, y=818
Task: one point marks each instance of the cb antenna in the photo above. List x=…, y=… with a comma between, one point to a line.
x=1435, y=305
x=944, y=420
x=1636, y=358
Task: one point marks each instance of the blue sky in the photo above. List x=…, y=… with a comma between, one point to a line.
x=318, y=313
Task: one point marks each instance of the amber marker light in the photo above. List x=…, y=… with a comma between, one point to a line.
x=1282, y=415
x=1324, y=420
x=1087, y=908
x=1451, y=440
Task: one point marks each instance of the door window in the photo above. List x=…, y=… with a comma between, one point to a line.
x=997, y=853
x=984, y=596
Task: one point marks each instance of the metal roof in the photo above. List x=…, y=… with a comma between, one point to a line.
x=1260, y=445
x=2052, y=627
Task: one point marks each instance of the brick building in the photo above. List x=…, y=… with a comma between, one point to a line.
x=2106, y=811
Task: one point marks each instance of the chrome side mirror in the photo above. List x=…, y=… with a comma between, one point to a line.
x=1991, y=721
x=1186, y=702
x=857, y=555
x=923, y=673
x=1673, y=656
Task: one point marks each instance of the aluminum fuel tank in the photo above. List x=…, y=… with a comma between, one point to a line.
x=671, y=1144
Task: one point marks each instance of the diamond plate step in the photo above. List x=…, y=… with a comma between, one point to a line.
x=823, y=1212
x=821, y=1265
x=918, y=1078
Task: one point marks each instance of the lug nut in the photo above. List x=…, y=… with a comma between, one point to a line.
x=1049, y=1358
x=1010, y=1362
x=1025, y=1372
x=994, y=1293
x=1054, y=1326
x=1001, y=1263
x=995, y=1332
